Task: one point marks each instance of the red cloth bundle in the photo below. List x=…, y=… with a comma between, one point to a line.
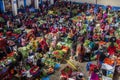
x=9, y=34
x=111, y=50
x=2, y=42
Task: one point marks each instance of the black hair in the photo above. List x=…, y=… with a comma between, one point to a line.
x=96, y=70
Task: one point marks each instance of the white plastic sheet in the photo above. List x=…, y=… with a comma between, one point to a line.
x=108, y=67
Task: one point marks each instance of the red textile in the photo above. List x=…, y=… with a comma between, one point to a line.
x=63, y=30
x=118, y=41
x=95, y=36
x=1, y=34
x=43, y=43
x=2, y=42
x=112, y=31
x=103, y=26
x=111, y=50
x=9, y=33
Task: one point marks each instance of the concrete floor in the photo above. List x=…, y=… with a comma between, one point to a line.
x=81, y=67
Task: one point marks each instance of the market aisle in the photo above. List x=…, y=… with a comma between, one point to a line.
x=80, y=66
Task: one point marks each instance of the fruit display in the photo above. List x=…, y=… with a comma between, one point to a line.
x=32, y=15
x=10, y=58
x=49, y=62
x=2, y=19
x=67, y=71
x=17, y=31
x=86, y=43
x=75, y=19
x=4, y=64
x=24, y=50
x=40, y=22
x=50, y=12
x=74, y=11
x=58, y=53
x=118, y=32
x=65, y=49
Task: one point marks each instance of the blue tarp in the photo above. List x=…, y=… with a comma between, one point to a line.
x=57, y=66
x=115, y=8
x=45, y=78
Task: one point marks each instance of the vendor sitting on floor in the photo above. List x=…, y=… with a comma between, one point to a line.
x=9, y=49
x=39, y=48
x=2, y=54
x=31, y=53
x=40, y=63
x=103, y=55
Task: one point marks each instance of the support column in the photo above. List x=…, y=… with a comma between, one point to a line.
x=36, y=4
x=2, y=9
x=51, y=2
x=25, y=3
x=28, y=2
x=14, y=7
x=41, y=1
x=20, y=3
x=3, y=5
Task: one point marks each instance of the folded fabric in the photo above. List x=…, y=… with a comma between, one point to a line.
x=107, y=67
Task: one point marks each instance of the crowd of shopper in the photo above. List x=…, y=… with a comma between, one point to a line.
x=95, y=36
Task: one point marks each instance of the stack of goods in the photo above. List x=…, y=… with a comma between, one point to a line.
x=76, y=19
x=24, y=50
x=108, y=68
x=5, y=65
x=66, y=72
